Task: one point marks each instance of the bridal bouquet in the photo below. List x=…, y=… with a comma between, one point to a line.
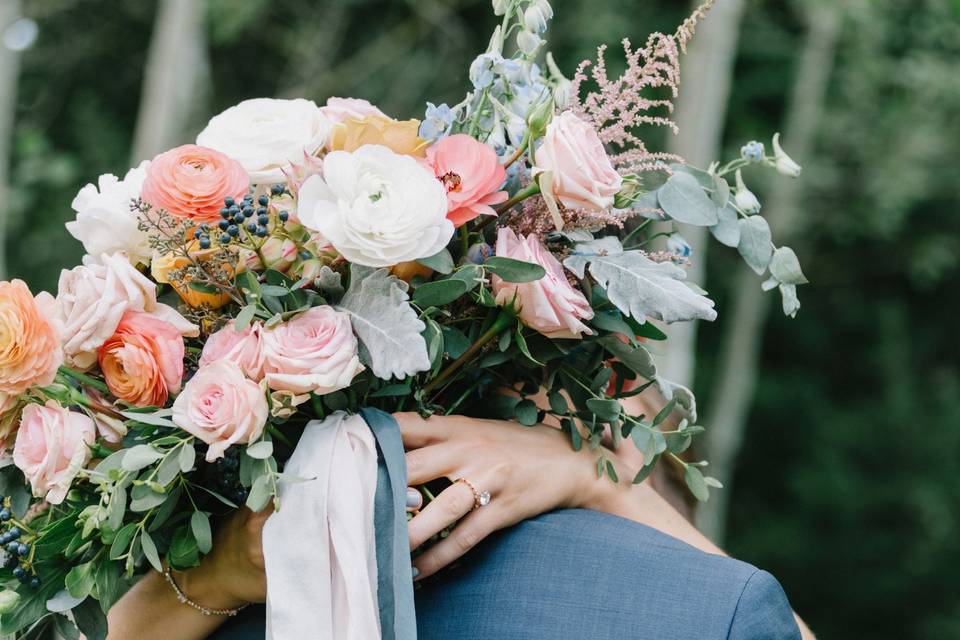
x=301, y=260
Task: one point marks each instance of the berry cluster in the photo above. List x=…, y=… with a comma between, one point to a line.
x=227, y=470
x=16, y=547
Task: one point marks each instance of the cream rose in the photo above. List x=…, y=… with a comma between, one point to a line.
x=266, y=135
x=105, y=222
x=92, y=299
x=376, y=208
x=221, y=407
x=583, y=176
x=52, y=445
x=340, y=109
x=314, y=352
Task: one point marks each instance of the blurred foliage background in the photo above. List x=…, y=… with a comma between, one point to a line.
x=847, y=486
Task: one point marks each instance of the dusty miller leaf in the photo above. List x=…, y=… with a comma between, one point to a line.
x=387, y=326
x=686, y=402
x=785, y=267
x=726, y=231
x=637, y=285
x=328, y=282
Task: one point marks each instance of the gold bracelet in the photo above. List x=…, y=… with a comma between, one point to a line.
x=183, y=599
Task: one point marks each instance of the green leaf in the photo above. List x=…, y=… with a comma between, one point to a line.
x=183, y=552
x=90, y=620
x=696, y=483
x=438, y=293
x=511, y=270
x=558, y=404
x=186, y=458
x=260, y=494
x=606, y=410
x=524, y=349
x=244, y=317
x=62, y=601
x=274, y=290
x=109, y=588
x=755, y=243
x=156, y=419
x=526, y=413
x=646, y=470
x=785, y=267
x=200, y=525
x=727, y=231
x=260, y=450
x=143, y=498
x=637, y=359
x=80, y=580
x=683, y=199
x=454, y=341
x=140, y=456
x=203, y=287
x=150, y=551
x=612, y=320
x=122, y=540
x=665, y=412
x=441, y=262
x=400, y=389
x=612, y=471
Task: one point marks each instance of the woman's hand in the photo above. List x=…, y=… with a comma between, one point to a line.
x=526, y=470
x=233, y=574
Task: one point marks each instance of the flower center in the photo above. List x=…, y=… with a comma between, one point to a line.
x=451, y=181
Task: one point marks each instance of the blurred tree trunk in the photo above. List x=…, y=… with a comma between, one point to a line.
x=173, y=80
x=9, y=73
x=744, y=325
x=706, y=74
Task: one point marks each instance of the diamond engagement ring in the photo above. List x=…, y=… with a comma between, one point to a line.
x=480, y=498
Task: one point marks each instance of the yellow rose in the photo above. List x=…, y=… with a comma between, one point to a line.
x=400, y=136
x=161, y=267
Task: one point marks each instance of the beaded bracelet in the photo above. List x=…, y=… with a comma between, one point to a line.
x=183, y=599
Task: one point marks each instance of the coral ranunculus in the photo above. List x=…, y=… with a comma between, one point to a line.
x=400, y=136
x=549, y=305
x=191, y=182
x=142, y=362
x=53, y=444
x=30, y=350
x=472, y=175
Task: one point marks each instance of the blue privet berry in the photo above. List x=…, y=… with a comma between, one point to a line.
x=4, y=514
x=248, y=198
x=233, y=230
x=262, y=211
x=23, y=549
x=197, y=234
x=4, y=538
x=239, y=219
x=225, y=238
x=205, y=242
x=19, y=573
x=263, y=200
x=247, y=211
x=284, y=216
x=224, y=224
x=225, y=213
x=12, y=547
x=262, y=232
x=251, y=227
x=35, y=582
x=228, y=201
x=263, y=219
x=277, y=189
x=14, y=533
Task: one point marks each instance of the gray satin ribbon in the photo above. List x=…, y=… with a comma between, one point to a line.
x=398, y=618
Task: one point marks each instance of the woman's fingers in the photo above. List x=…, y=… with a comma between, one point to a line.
x=465, y=536
x=419, y=432
x=432, y=462
x=453, y=503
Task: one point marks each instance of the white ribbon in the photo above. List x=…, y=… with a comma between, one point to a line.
x=320, y=548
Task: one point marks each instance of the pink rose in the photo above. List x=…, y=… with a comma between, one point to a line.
x=243, y=348
x=551, y=305
x=191, y=182
x=30, y=351
x=314, y=352
x=53, y=444
x=583, y=176
x=221, y=407
x=472, y=175
x=92, y=299
x=338, y=110
x=142, y=362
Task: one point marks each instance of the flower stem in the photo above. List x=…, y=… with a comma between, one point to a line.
x=519, y=150
x=503, y=321
x=84, y=378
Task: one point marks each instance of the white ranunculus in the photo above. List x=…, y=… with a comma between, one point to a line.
x=266, y=135
x=377, y=208
x=105, y=223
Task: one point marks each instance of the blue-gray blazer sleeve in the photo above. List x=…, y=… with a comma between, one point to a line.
x=763, y=612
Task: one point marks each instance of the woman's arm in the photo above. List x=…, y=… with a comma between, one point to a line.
x=228, y=578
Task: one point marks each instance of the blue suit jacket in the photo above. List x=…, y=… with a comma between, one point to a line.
x=582, y=575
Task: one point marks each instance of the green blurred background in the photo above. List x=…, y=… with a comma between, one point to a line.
x=842, y=441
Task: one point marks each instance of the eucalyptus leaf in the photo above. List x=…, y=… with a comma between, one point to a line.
x=260, y=450
x=637, y=358
x=200, y=526
x=244, y=317
x=153, y=419
x=683, y=199
x=140, y=456
x=640, y=287
x=726, y=231
x=511, y=270
x=526, y=413
x=80, y=580
x=387, y=326
x=441, y=262
x=150, y=551
x=696, y=483
x=259, y=494
x=785, y=267
x=186, y=458
x=439, y=292
x=63, y=601
x=755, y=243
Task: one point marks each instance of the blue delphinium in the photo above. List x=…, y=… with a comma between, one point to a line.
x=437, y=121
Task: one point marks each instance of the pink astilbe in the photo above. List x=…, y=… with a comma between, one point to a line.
x=535, y=219
x=618, y=106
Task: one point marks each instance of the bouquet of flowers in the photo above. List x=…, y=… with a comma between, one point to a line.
x=300, y=260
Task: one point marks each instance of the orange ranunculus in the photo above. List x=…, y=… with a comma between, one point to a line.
x=400, y=136
x=30, y=351
x=142, y=362
x=191, y=182
x=162, y=266
x=10, y=407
